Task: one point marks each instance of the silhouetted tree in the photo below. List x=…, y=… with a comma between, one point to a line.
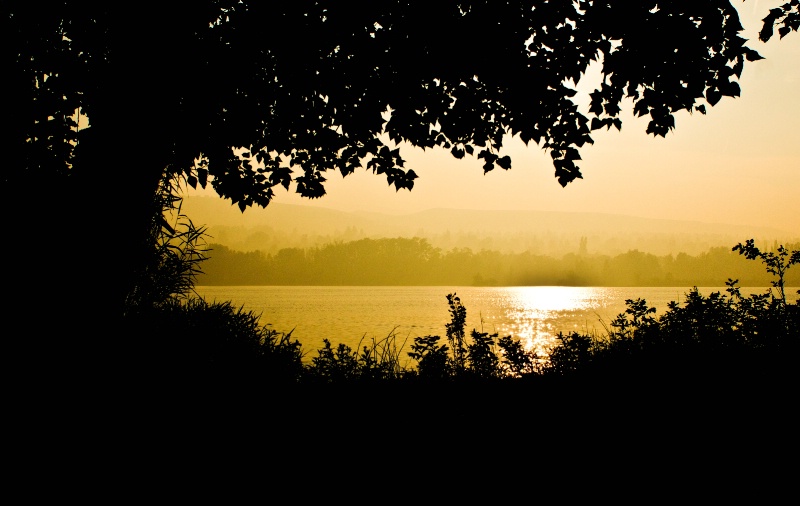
x=247, y=95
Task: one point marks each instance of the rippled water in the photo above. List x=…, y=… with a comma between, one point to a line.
x=354, y=315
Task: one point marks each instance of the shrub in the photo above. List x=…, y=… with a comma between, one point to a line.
x=380, y=361
x=194, y=340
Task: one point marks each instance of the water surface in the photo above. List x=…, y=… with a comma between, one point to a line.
x=357, y=315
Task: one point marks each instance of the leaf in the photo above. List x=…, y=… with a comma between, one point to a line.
x=596, y=106
x=572, y=154
x=739, y=66
x=641, y=108
x=487, y=155
x=504, y=162
x=654, y=128
x=528, y=135
x=612, y=109
x=713, y=96
x=731, y=89
x=752, y=55
x=767, y=30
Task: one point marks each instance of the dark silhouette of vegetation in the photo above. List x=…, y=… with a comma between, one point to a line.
x=459, y=359
x=195, y=342
x=777, y=262
x=181, y=336
x=380, y=361
x=786, y=18
x=177, y=249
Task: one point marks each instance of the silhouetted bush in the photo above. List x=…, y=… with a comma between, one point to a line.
x=198, y=340
x=378, y=362
x=709, y=336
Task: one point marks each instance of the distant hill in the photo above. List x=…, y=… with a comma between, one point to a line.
x=544, y=232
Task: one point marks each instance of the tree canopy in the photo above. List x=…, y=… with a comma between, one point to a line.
x=306, y=87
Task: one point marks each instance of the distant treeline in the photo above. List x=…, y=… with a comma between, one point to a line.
x=414, y=262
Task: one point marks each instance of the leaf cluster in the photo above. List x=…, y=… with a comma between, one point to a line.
x=786, y=18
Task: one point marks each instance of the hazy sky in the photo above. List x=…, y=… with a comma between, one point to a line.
x=739, y=164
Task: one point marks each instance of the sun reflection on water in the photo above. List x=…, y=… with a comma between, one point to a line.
x=535, y=315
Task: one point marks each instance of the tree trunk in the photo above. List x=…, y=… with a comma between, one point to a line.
x=84, y=238
x=106, y=213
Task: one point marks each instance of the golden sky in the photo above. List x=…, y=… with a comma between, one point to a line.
x=738, y=164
